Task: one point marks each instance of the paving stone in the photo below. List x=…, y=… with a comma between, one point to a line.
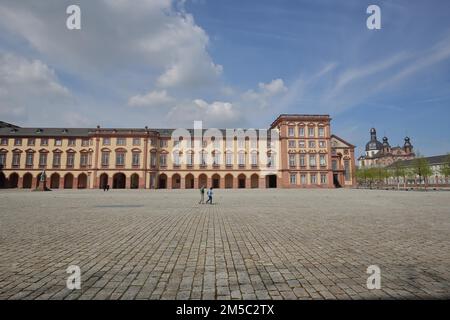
x=254, y=244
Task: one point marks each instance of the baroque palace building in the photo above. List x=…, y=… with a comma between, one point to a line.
x=382, y=154
x=302, y=154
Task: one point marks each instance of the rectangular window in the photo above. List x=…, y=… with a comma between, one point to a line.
x=321, y=132
x=203, y=158
x=216, y=159
x=311, y=144
x=163, y=160
x=241, y=143
x=301, y=131
x=176, y=143
x=313, y=178
x=176, y=158
x=70, y=160
x=312, y=160
x=241, y=159
x=291, y=143
x=31, y=141
x=311, y=131
x=322, y=160
x=121, y=141
x=303, y=179
x=270, y=161
x=292, y=160
x=347, y=170
x=204, y=143
x=290, y=131
x=322, y=144
x=106, y=141
x=58, y=142
x=42, y=160
x=254, y=159
x=4, y=141
x=84, y=160
x=293, y=178
x=334, y=165
x=136, y=141
x=190, y=158
x=16, y=159
x=120, y=159
x=2, y=159
x=105, y=159
x=301, y=143
x=72, y=142
x=302, y=160
x=323, y=178
x=85, y=142
x=162, y=143
x=229, y=159
x=44, y=142
x=136, y=159
x=153, y=142
x=56, y=159
x=153, y=159
x=18, y=141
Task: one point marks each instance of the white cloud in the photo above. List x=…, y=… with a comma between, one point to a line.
x=267, y=91
x=215, y=114
x=29, y=88
x=117, y=35
x=28, y=77
x=151, y=99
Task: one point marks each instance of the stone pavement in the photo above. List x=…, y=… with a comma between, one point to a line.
x=251, y=244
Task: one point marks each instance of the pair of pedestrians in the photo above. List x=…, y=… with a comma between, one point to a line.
x=202, y=195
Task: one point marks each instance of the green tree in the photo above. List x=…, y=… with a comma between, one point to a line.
x=380, y=175
x=444, y=170
x=398, y=171
x=421, y=167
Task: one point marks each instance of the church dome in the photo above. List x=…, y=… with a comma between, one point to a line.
x=373, y=144
x=407, y=142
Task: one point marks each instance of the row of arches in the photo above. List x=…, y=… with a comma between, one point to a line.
x=216, y=181
x=56, y=181
x=120, y=181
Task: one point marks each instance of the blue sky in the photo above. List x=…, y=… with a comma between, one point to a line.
x=230, y=63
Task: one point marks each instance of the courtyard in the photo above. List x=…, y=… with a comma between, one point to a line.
x=250, y=244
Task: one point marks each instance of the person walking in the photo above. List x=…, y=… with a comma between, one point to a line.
x=210, y=195
x=202, y=195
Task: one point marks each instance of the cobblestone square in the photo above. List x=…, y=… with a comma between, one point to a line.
x=251, y=244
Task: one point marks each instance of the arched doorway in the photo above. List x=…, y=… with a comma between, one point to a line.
x=202, y=180
x=189, y=181
x=134, y=181
x=162, y=181
x=241, y=181
x=27, y=181
x=82, y=181
x=216, y=181
x=119, y=181
x=103, y=181
x=271, y=181
x=254, y=181
x=176, y=181
x=68, y=181
x=13, y=180
x=54, y=181
x=229, y=181
x=2, y=181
